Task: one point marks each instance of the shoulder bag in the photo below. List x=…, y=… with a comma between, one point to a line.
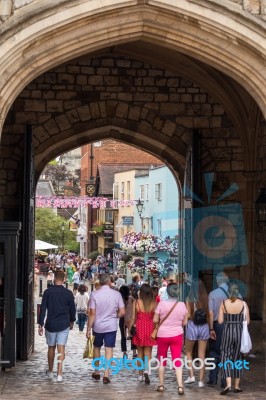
x=246, y=344
x=155, y=330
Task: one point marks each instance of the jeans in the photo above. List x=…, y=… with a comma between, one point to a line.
x=215, y=351
x=82, y=318
x=123, y=336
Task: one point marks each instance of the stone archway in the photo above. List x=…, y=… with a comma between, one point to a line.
x=43, y=37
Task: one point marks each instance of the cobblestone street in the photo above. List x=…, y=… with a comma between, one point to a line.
x=28, y=379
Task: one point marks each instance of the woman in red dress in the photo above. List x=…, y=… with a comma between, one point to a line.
x=142, y=319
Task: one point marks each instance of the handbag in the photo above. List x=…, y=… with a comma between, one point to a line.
x=246, y=344
x=88, y=351
x=132, y=331
x=157, y=326
x=200, y=317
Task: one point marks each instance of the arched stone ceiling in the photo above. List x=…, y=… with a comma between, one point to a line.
x=231, y=43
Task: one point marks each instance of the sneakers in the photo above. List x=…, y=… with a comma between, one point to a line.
x=201, y=384
x=59, y=378
x=146, y=377
x=50, y=374
x=190, y=380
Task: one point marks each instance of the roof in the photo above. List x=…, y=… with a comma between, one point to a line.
x=45, y=188
x=106, y=174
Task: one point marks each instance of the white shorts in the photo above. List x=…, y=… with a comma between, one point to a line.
x=54, y=338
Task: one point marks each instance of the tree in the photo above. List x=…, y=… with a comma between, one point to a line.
x=48, y=227
x=58, y=174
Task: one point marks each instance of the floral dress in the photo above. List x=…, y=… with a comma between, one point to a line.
x=144, y=328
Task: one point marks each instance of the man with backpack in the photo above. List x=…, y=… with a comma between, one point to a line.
x=216, y=297
x=135, y=286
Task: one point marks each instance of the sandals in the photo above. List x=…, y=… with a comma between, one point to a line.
x=225, y=391
x=106, y=380
x=160, y=388
x=180, y=390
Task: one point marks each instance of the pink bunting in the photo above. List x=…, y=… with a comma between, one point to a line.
x=83, y=201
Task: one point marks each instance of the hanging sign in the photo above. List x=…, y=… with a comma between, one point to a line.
x=128, y=220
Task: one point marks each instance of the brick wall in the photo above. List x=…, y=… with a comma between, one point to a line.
x=112, y=152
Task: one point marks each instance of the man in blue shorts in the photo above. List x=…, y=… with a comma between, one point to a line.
x=105, y=307
x=61, y=314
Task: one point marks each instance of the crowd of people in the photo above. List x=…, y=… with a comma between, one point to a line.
x=149, y=316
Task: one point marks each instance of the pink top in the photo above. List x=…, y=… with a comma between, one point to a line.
x=172, y=326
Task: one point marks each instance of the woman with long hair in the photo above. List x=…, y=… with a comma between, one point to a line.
x=142, y=319
x=124, y=290
x=231, y=313
x=197, y=328
x=81, y=302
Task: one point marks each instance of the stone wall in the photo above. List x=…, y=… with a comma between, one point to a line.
x=64, y=103
x=260, y=233
x=254, y=7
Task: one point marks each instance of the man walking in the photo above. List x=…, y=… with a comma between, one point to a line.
x=105, y=307
x=59, y=304
x=216, y=297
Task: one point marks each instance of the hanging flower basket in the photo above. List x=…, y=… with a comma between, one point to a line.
x=140, y=242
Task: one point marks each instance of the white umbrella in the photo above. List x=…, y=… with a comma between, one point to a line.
x=40, y=245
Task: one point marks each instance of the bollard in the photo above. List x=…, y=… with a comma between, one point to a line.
x=40, y=287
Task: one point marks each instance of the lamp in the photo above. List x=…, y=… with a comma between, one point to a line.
x=140, y=205
x=260, y=205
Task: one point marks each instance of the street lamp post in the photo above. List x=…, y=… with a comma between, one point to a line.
x=140, y=205
x=63, y=235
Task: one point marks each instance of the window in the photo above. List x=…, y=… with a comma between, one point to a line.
x=147, y=191
x=141, y=192
x=159, y=227
x=128, y=190
x=115, y=191
x=109, y=216
x=97, y=144
x=122, y=190
x=158, y=191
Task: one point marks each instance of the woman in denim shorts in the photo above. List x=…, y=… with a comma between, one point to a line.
x=197, y=300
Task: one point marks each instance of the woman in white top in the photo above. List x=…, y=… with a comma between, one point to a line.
x=81, y=302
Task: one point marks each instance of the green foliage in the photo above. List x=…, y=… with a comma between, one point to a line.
x=93, y=255
x=98, y=227
x=48, y=227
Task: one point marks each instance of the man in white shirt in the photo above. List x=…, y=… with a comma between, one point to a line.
x=162, y=292
x=76, y=281
x=120, y=281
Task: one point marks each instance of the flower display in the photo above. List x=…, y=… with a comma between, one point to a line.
x=136, y=265
x=153, y=267
x=141, y=242
x=120, y=265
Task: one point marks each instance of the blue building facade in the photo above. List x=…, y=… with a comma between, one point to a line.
x=160, y=196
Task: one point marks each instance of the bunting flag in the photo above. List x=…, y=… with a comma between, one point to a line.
x=82, y=201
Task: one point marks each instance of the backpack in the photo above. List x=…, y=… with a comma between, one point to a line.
x=134, y=290
x=200, y=317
